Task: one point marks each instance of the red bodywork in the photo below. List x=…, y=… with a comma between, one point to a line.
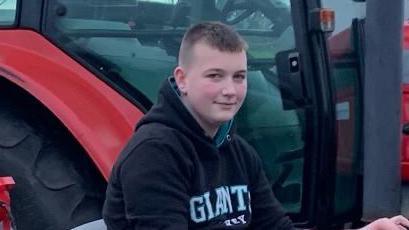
x=405, y=110
x=6, y=183
x=100, y=118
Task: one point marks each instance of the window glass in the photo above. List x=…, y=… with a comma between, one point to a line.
x=138, y=41
x=345, y=60
x=7, y=12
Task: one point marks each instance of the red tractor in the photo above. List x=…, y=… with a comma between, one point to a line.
x=77, y=75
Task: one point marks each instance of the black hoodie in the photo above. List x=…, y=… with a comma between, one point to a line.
x=172, y=176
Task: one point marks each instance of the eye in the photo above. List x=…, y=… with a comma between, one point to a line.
x=239, y=77
x=214, y=76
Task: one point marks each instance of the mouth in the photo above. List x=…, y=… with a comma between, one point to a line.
x=226, y=103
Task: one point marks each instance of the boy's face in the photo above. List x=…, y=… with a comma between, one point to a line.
x=215, y=83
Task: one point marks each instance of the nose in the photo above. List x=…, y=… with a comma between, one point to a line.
x=229, y=89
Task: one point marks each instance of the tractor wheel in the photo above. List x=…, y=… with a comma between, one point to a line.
x=57, y=186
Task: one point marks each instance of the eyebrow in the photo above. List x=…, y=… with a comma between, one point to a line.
x=242, y=71
x=222, y=70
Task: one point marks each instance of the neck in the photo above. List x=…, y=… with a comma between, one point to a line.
x=210, y=129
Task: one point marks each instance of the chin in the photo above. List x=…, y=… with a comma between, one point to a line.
x=223, y=119
x=220, y=117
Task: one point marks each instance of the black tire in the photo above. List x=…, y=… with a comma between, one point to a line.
x=57, y=187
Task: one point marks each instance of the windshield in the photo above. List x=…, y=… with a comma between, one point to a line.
x=138, y=41
x=135, y=45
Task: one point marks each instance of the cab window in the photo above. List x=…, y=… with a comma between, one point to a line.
x=8, y=10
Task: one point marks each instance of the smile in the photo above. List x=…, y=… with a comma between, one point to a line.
x=226, y=103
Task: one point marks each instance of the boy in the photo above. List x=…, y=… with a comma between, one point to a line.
x=184, y=168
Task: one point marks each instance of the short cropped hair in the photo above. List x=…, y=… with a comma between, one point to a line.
x=215, y=34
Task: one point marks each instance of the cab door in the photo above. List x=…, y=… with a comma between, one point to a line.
x=346, y=55
x=288, y=115
x=303, y=113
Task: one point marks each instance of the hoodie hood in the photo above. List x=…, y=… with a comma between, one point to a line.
x=170, y=111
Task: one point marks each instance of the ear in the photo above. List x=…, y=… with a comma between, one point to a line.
x=180, y=78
